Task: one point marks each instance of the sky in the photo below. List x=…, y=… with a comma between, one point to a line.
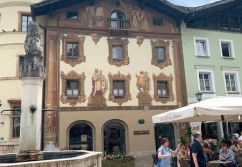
x=192, y=3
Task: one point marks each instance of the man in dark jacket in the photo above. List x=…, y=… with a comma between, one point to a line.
x=197, y=158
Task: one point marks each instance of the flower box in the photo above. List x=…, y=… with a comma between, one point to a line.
x=125, y=162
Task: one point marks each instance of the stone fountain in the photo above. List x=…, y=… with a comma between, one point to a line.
x=32, y=75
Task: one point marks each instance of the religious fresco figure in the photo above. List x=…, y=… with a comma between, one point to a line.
x=99, y=19
x=135, y=19
x=89, y=16
x=144, y=20
x=142, y=83
x=98, y=84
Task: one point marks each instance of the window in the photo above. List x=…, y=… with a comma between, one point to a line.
x=72, y=49
x=201, y=46
x=117, y=20
x=72, y=88
x=162, y=89
x=160, y=53
x=231, y=82
x=158, y=22
x=16, y=123
x=205, y=82
x=81, y=137
x=72, y=15
x=117, y=14
x=26, y=19
x=117, y=52
x=205, y=79
x=226, y=47
x=118, y=89
x=73, y=91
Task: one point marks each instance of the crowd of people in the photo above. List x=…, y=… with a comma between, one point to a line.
x=198, y=155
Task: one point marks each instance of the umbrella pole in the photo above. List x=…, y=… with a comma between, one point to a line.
x=224, y=127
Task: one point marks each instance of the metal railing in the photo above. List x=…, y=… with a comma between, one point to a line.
x=119, y=24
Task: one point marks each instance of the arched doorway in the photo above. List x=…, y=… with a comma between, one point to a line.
x=81, y=137
x=114, y=136
x=164, y=131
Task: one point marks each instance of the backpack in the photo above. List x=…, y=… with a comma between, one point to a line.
x=155, y=159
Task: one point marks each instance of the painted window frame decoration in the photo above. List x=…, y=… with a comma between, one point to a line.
x=72, y=75
x=73, y=61
x=119, y=77
x=231, y=43
x=211, y=80
x=121, y=42
x=169, y=80
x=237, y=81
x=206, y=40
x=166, y=46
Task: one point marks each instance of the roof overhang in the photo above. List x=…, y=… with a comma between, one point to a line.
x=163, y=6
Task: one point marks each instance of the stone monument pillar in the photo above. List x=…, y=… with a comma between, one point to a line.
x=32, y=75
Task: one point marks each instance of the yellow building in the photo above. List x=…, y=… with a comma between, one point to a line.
x=14, y=18
x=111, y=66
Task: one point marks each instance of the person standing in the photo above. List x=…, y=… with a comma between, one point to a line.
x=165, y=153
x=197, y=158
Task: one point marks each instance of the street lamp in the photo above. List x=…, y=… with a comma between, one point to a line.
x=199, y=96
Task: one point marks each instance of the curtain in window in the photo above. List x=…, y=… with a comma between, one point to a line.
x=201, y=48
x=68, y=88
x=115, y=89
x=117, y=52
x=75, y=88
x=160, y=54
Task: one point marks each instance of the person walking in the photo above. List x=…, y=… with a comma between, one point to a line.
x=197, y=158
x=165, y=153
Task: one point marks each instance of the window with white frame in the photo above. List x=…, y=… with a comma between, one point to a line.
x=227, y=50
x=201, y=46
x=205, y=82
x=230, y=80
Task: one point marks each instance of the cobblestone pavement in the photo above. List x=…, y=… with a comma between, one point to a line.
x=144, y=161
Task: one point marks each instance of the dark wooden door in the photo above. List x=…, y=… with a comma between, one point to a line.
x=114, y=136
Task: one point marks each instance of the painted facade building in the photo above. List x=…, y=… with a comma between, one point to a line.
x=211, y=41
x=111, y=66
x=14, y=19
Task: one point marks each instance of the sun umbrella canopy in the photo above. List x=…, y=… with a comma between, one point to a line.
x=207, y=110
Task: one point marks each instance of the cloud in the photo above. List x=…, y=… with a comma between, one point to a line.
x=192, y=3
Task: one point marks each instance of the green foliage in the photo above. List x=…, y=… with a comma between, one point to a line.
x=182, y=140
x=189, y=132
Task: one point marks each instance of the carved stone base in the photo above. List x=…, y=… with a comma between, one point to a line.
x=29, y=156
x=96, y=101
x=144, y=99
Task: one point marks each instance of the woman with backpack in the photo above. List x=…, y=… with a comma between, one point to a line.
x=165, y=153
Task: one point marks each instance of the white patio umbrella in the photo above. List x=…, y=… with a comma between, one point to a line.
x=208, y=110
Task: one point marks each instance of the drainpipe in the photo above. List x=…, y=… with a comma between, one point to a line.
x=44, y=87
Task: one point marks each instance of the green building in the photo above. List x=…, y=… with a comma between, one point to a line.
x=212, y=50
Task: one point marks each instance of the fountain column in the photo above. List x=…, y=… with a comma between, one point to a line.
x=32, y=75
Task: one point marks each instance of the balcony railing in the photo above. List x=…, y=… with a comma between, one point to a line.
x=119, y=24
